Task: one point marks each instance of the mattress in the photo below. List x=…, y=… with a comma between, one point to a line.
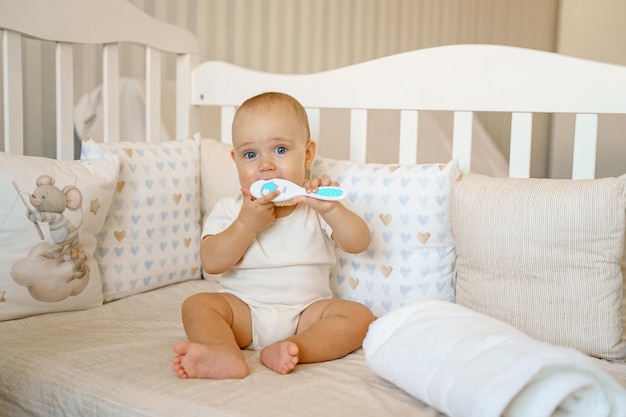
x=115, y=360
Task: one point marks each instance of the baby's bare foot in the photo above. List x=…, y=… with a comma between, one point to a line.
x=195, y=360
x=280, y=357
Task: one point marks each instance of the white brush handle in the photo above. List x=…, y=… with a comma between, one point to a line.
x=289, y=190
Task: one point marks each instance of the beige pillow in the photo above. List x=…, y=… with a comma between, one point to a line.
x=544, y=256
x=218, y=174
x=624, y=291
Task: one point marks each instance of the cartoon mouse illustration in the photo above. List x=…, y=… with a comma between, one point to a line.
x=52, y=271
x=50, y=202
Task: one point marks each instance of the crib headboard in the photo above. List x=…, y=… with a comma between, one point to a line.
x=463, y=79
x=106, y=23
x=459, y=78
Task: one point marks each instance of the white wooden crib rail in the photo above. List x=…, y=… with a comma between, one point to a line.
x=459, y=78
x=88, y=22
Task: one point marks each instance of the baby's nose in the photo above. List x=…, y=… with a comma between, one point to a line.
x=266, y=164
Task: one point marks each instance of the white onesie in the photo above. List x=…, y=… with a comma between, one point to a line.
x=284, y=270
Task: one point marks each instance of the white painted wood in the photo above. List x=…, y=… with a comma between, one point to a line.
x=408, y=136
x=462, y=139
x=94, y=22
x=358, y=135
x=12, y=92
x=521, y=143
x=110, y=92
x=585, y=143
x=153, y=95
x=493, y=78
x=64, y=80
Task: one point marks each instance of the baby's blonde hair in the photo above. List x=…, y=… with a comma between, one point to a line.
x=268, y=100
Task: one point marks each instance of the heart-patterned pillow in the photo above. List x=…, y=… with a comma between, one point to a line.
x=151, y=237
x=411, y=256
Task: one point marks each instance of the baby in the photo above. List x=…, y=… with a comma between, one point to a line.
x=274, y=260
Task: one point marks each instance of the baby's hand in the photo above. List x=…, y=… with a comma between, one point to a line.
x=311, y=186
x=257, y=214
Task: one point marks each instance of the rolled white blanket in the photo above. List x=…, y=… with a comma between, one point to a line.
x=464, y=363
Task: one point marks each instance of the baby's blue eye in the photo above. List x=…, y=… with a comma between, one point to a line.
x=249, y=155
x=281, y=150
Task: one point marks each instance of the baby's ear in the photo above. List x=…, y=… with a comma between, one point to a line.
x=311, y=148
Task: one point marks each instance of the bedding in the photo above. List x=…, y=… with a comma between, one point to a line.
x=67, y=201
x=154, y=216
x=114, y=360
x=407, y=209
x=556, y=277
x=474, y=365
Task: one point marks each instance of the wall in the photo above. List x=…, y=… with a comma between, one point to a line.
x=592, y=29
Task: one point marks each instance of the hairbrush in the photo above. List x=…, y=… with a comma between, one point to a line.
x=289, y=190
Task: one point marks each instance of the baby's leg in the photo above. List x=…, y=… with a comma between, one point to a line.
x=330, y=329
x=217, y=326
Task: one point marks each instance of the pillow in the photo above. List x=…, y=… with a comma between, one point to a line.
x=411, y=254
x=624, y=290
x=544, y=256
x=219, y=179
x=47, y=262
x=218, y=174
x=151, y=237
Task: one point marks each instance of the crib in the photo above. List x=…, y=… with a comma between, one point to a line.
x=87, y=326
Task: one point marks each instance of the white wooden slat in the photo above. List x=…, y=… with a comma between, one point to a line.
x=462, y=139
x=153, y=95
x=110, y=92
x=408, y=137
x=314, y=123
x=358, y=135
x=228, y=114
x=64, y=79
x=521, y=143
x=13, y=93
x=585, y=144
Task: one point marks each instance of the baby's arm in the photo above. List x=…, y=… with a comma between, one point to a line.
x=350, y=231
x=222, y=251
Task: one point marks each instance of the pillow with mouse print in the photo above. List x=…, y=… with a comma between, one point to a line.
x=50, y=214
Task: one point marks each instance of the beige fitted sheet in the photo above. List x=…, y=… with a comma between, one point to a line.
x=116, y=361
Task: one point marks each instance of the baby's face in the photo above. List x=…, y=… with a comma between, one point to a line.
x=270, y=143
